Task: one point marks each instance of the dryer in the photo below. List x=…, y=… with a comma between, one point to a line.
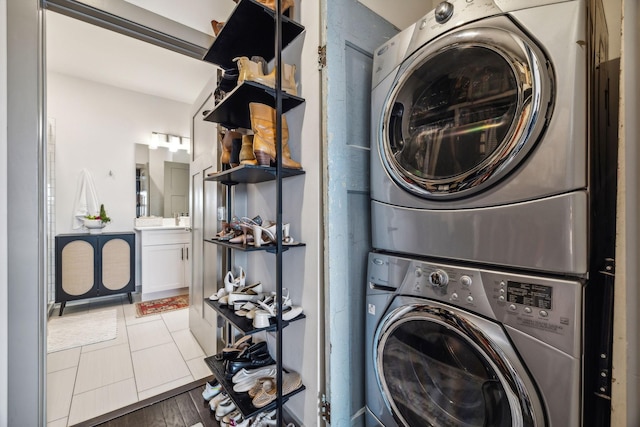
x=453, y=345
x=480, y=136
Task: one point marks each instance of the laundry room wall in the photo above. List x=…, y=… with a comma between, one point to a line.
x=401, y=17
x=626, y=342
x=97, y=127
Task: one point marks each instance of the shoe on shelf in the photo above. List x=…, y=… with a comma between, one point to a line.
x=263, y=125
x=256, y=356
x=266, y=419
x=225, y=407
x=219, y=294
x=247, y=293
x=217, y=27
x=291, y=381
x=211, y=390
x=235, y=349
x=252, y=380
x=252, y=374
x=254, y=70
x=231, y=419
x=213, y=403
x=231, y=282
x=268, y=310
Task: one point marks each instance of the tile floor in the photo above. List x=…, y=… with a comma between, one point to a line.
x=150, y=355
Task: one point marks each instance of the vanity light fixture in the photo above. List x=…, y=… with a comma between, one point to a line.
x=170, y=141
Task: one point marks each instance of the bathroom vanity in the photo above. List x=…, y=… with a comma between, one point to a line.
x=165, y=259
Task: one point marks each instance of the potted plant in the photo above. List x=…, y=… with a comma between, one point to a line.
x=95, y=223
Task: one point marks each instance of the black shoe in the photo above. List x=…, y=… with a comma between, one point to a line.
x=255, y=362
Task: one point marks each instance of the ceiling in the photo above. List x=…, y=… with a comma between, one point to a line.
x=93, y=53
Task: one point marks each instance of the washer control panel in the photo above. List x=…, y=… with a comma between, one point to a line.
x=544, y=307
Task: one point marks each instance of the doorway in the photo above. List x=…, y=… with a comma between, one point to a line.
x=103, y=100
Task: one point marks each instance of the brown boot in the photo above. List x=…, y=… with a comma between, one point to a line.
x=263, y=123
x=253, y=71
x=247, y=157
x=227, y=144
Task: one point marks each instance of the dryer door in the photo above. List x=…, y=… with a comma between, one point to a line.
x=465, y=110
x=437, y=366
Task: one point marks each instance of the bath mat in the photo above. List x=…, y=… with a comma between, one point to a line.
x=162, y=305
x=76, y=330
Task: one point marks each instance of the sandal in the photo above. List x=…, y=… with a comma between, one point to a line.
x=291, y=381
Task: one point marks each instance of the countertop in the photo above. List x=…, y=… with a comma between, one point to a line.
x=163, y=227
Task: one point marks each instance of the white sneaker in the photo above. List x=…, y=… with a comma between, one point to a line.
x=253, y=374
x=213, y=403
x=211, y=391
x=224, y=407
x=266, y=419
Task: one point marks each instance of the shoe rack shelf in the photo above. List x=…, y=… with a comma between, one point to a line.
x=233, y=110
x=241, y=400
x=243, y=324
x=248, y=174
x=241, y=34
x=250, y=248
x=253, y=29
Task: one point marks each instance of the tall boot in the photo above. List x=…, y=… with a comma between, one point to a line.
x=263, y=123
x=247, y=157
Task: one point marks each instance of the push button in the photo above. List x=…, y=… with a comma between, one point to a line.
x=544, y=313
x=513, y=307
x=528, y=310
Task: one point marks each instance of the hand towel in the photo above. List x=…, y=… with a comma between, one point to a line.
x=86, y=201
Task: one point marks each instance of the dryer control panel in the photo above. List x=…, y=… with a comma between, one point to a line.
x=544, y=307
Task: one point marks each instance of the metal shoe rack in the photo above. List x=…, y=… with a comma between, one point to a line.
x=248, y=32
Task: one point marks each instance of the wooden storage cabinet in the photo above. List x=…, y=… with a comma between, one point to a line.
x=165, y=260
x=93, y=265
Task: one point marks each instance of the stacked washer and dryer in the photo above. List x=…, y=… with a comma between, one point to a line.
x=482, y=198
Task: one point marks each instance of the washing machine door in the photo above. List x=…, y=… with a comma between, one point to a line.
x=438, y=366
x=465, y=110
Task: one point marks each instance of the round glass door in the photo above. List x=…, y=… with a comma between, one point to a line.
x=464, y=112
x=435, y=369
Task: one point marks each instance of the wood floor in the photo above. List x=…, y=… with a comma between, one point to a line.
x=183, y=410
x=182, y=407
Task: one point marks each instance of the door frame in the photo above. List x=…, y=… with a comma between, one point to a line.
x=26, y=302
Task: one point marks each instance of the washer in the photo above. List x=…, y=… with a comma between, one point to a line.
x=450, y=345
x=480, y=134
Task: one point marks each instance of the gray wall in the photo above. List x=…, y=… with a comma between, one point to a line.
x=26, y=215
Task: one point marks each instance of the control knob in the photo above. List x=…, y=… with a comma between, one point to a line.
x=438, y=279
x=443, y=12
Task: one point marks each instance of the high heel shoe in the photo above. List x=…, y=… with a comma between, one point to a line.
x=263, y=124
x=248, y=293
x=248, y=70
x=231, y=282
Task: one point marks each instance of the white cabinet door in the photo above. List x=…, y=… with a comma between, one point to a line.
x=163, y=267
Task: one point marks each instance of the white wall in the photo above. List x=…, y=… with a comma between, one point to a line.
x=401, y=16
x=97, y=127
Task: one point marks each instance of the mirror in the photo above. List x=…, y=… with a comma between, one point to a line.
x=162, y=181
